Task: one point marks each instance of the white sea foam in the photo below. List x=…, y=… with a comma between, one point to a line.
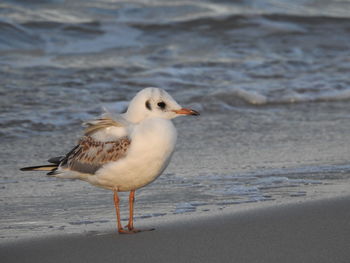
x=251, y=97
x=238, y=97
x=334, y=95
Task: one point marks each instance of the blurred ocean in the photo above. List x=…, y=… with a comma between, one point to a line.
x=270, y=77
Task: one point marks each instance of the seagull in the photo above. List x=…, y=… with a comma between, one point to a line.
x=123, y=152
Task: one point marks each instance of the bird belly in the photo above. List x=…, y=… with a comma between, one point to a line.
x=151, y=149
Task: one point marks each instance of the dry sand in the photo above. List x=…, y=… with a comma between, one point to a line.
x=317, y=231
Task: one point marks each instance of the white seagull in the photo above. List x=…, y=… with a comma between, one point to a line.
x=124, y=152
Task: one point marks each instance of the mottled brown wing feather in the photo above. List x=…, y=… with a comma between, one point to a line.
x=89, y=155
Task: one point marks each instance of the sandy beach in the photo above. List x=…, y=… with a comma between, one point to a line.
x=316, y=231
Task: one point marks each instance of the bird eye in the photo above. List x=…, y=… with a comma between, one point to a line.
x=161, y=104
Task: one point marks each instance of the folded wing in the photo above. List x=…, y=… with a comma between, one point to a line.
x=90, y=155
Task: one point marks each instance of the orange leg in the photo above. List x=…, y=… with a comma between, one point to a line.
x=131, y=210
x=130, y=225
x=117, y=210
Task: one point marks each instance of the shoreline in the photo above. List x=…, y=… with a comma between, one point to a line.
x=310, y=231
x=315, y=193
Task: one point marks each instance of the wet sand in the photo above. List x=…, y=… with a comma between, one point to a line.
x=316, y=231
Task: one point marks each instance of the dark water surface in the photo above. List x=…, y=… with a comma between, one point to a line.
x=271, y=79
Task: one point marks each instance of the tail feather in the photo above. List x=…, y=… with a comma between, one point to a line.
x=48, y=167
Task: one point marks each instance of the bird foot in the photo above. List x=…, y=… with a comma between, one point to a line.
x=133, y=230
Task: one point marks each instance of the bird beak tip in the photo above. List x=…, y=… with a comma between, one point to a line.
x=195, y=113
x=185, y=111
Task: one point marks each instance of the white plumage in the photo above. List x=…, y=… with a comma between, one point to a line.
x=152, y=144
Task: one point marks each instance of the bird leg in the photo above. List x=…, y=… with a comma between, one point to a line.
x=131, y=210
x=117, y=210
x=131, y=229
x=130, y=225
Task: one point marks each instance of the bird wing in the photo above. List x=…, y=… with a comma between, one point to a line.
x=108, y=128
x=94, y=126
x=90, y=154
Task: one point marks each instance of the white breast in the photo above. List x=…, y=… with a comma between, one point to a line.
x=152, y=144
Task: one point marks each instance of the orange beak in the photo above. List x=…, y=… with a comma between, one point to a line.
x=185, y=111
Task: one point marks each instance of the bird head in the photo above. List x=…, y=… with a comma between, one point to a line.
x=155, y=103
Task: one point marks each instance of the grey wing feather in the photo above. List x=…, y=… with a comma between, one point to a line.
x=90, y=155
x=56, y=160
